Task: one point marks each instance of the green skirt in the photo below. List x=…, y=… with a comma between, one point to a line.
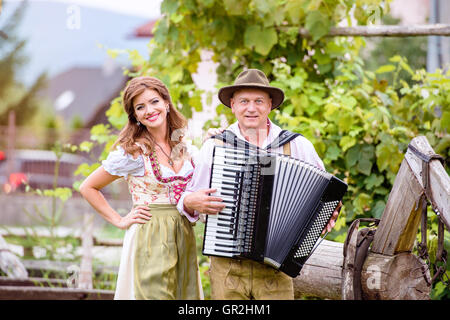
x=165, y=263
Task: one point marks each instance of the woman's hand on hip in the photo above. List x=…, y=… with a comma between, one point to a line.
x=139, y=214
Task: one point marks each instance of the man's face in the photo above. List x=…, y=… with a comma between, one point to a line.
x=251, y=108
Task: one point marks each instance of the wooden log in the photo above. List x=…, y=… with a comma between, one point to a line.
x=321, y=276
x=46, y=293
x=383, y=277
x=386, y=31
x=400, y=277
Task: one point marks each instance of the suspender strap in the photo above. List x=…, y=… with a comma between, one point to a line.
x=228, y=137
x=283, y=138
x=287, y=149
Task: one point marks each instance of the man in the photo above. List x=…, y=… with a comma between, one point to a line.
x=251, y=99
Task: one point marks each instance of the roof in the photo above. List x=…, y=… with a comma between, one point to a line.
x=145, y=30
x=81, y=91
x=47, y=155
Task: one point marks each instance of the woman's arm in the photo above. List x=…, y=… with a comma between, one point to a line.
x=90, y=190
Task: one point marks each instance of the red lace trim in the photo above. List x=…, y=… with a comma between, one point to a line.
x=177, y=188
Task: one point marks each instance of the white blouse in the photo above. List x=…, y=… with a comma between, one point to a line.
x=120, y=163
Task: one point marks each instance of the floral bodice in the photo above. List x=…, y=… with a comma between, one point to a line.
x=148, y=181
x=153, y=188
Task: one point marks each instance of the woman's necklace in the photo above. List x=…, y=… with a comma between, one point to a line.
x=168, y=157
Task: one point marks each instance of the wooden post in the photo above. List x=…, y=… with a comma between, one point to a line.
x=85, y=280
x=11, y=144
x=439, y=179
x=401, y=217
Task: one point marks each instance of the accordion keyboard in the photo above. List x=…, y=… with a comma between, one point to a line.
x=221, y=237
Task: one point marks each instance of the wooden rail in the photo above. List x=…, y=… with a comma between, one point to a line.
x=386, y=31
x=48, y=293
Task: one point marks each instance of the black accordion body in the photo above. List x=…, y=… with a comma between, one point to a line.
x=276, y=207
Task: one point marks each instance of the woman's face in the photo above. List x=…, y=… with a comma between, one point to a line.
x=150, y=109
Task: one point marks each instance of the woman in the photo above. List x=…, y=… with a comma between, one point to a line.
x=159, y=254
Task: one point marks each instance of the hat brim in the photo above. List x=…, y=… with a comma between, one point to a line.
x=276, y=94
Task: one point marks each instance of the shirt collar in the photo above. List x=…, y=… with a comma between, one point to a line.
x=274, y=132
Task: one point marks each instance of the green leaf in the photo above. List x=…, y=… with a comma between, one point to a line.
x=260, y=39
x=196, y=102
x=445, y=121
x=264, y=6
x=236, y=7
x=373, y=181
x=86, y=146
x=85, y=169
x=362, y=203
x=169, y=6
x=317, y=24
x=378, y=209
x=386, y=68
x=352, y=156
x=364, y=166
x=347, y=142
x=100, y=133
x=333, y=152
x=294, y=9
x=388, y=156
x=345, y=122
x=349, y=101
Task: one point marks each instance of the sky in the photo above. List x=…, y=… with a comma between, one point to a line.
x=64, y=34
x=142, y=8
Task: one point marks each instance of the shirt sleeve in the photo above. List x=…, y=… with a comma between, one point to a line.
x=200, y=178
x=192, y=150
x=303, y=149
x=119, y=163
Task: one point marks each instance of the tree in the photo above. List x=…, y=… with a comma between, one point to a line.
x=14, y=95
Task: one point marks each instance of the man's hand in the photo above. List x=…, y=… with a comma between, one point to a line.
x=202, y=202
x=333, y=219
x=212, y=132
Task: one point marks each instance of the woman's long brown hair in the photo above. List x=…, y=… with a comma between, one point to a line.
x=132, y=132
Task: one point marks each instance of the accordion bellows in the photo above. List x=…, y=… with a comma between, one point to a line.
x=276, y=207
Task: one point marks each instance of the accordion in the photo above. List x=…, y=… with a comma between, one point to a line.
x=276, y=207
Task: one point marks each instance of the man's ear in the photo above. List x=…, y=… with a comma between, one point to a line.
x=232, y=105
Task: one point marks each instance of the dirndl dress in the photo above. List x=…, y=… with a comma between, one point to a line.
x=158, y=259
